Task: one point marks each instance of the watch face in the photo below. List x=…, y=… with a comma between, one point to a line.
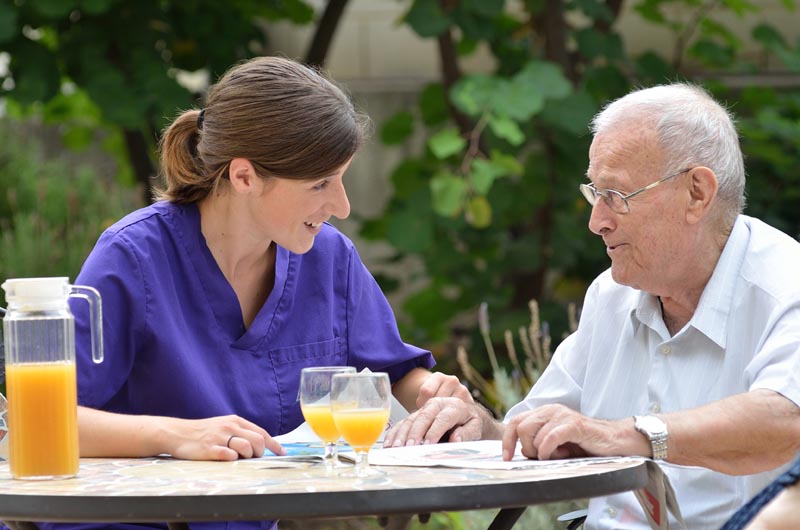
x=651, y=424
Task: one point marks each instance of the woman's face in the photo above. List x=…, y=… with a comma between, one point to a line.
x=291, y=212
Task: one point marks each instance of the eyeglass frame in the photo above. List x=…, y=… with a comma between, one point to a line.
x=591, y=193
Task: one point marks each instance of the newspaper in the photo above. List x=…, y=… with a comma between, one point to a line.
x=656, y=498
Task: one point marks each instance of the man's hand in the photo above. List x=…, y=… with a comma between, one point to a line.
x=442, y=385
x=555, y=431
x=440, y=415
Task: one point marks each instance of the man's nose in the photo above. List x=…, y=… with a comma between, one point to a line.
x=602, y=218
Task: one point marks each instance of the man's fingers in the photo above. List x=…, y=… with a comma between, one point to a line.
x=442, y=385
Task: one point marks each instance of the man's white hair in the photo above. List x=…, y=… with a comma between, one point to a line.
x=692, y=128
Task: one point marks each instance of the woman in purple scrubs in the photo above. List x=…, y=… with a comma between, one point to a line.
x=216, y=296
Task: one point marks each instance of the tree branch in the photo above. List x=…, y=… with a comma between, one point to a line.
x=323, y=35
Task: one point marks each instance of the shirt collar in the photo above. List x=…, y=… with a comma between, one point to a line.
x=711, y=315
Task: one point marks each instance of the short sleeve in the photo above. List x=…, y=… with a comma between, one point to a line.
x=776, y=364
x=373, y=338
x=114, y=269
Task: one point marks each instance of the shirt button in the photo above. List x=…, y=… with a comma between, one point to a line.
x=665, y=350
x=656, y=408
x=611, y=512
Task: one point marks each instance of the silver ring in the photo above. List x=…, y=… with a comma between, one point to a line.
x=228, y=445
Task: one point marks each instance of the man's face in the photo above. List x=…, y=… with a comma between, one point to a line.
x=647, y=245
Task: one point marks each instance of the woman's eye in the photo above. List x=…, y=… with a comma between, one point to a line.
x=321, y=186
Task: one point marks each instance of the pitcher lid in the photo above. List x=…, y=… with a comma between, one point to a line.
x=36, y=289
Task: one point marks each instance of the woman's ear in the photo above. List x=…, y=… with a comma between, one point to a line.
x=702, y=190
x=242, y=175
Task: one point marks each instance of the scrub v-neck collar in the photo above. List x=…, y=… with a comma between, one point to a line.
x=222, y=297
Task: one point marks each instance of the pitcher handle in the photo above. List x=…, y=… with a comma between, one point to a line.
x=92, y=297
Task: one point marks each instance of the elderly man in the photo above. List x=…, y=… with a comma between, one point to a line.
x=688, y=349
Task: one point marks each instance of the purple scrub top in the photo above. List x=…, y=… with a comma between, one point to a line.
x=175, y=341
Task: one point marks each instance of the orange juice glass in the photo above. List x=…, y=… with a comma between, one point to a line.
x=315, y=403
x=320, y=419
x=361, y=427
x=361, y=404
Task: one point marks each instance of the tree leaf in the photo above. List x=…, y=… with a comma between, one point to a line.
x=518, y=99
x=479, y=212
x=593, y=44
x=652, y=69
x=433, y=105
x=446, y=142
x=486, y=8
x=35, y=72
x=711, y=53
x=474, y=94
x=570, y=114
x=483, y=173
x=398, y=128
x=426, y=18
x=448, y=192
x=507, y=129
x=544, y=77
x=510, y=165
x=96, y=7
x=53, y=8
x=595, y=10
x=8, y=22
x=410, y=228
x=768, y=36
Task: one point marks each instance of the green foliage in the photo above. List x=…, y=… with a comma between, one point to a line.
x=51, y=212
x=124, y=55
x=491, y=206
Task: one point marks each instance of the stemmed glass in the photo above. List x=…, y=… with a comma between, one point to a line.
x=315, y=402
x=361, y=404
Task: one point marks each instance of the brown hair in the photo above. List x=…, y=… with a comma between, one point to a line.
x=288, y=120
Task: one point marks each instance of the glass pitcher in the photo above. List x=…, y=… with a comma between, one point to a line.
x=39, y=335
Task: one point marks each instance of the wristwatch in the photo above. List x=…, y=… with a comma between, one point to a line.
x=656, y=432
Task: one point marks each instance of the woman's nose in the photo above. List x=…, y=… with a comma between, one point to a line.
x=340, y=204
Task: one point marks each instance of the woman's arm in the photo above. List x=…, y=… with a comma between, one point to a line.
x=106, y=434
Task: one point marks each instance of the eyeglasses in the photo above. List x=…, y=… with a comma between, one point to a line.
x=615, y=199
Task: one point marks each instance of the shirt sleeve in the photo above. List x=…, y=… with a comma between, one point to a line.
x=776, y=364
x=373, y=339
x=113, y=268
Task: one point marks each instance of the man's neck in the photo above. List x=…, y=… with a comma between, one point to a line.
x=679, y=303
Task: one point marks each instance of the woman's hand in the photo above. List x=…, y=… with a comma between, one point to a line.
x=220, y=438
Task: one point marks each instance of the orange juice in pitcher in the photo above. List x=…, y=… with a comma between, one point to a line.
x=39, y=337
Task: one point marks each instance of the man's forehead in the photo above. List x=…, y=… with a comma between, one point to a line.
x=613, y=157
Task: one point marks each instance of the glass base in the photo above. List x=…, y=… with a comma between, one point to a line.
x=44, y=477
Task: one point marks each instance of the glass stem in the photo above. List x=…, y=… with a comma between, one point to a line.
x=362, y=464
x=331, y=456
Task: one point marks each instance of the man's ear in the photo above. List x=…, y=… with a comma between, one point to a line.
x=702, y=190
x=242, y=175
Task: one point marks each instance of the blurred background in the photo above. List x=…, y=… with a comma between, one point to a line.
x=465, y=202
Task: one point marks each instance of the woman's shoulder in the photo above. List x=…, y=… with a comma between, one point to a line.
x=148, y=218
